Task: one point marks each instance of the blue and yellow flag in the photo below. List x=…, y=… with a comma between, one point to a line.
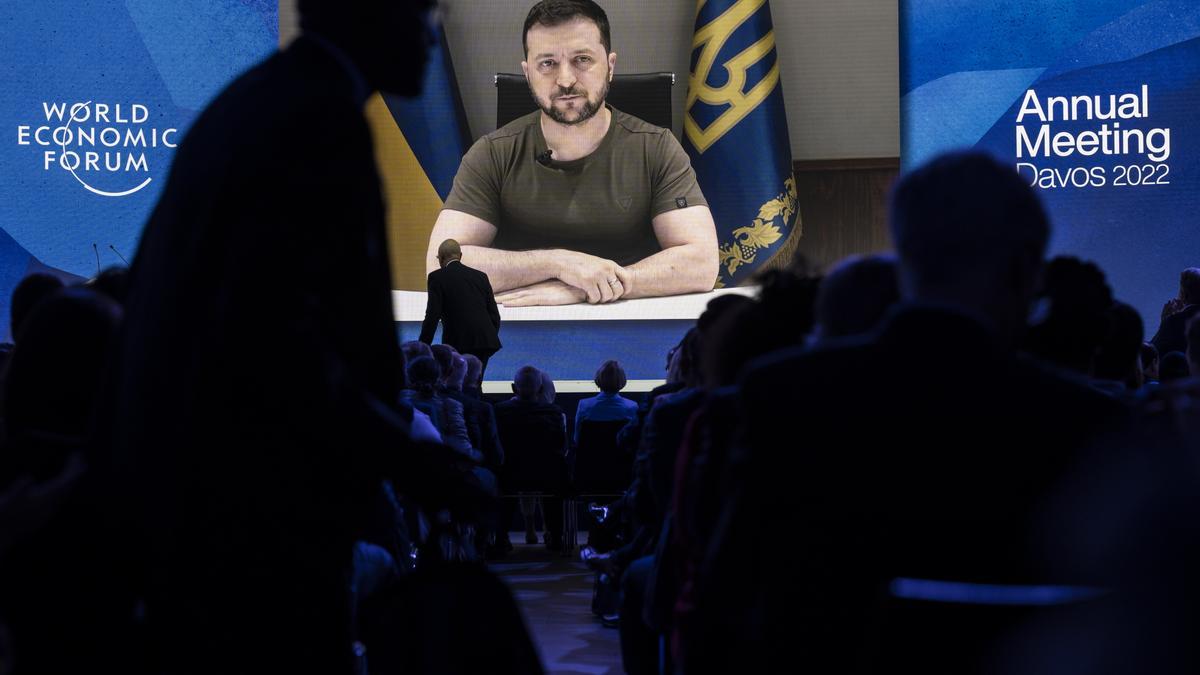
x=419, y=143
x=735, y=131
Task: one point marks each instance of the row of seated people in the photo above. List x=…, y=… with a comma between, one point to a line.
x=520, y=446
x=953, y=461
x=74, y=580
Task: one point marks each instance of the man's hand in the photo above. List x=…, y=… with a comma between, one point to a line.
x=552, y=292
x=600, y=280
x=1173, y=306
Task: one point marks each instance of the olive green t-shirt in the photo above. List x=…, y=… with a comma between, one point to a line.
x=601, y=204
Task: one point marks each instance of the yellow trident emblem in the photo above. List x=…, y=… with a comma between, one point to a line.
x=741, y=103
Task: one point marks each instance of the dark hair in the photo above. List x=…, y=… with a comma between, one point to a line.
x=474, y=371
x=527, y=383
x=414, y=349
x=28, y=293
x=1189, y=285
x=959, y=212
x=610, y=377
x=550, y=13
x=113, y=282
x=855, y=295
x=1076, y=301
x=444, y=355
x=423, y=374
x=55, y=376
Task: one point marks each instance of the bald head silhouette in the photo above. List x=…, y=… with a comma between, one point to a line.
x=448, y=251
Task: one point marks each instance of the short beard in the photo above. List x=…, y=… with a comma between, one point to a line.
x=587, y=110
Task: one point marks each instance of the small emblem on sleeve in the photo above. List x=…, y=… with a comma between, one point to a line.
x=681, y=202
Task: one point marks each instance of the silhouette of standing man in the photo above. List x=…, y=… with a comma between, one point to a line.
x=461, y=298
x=259, y=368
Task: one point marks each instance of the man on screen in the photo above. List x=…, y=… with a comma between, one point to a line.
x=578, y=201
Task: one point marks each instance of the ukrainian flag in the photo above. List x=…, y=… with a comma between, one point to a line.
x=419, y=143
x=735, y=131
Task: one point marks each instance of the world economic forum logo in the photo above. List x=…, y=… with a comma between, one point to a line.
x=111, y=149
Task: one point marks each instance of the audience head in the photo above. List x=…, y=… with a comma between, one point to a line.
x=718, y=307
x=969, y=232
x=453, y=378
x=444, y=355
x=113, y=282
x=388, y=40
x=423, y=374
x=1149, y=359
x=527, y=383
x=1117, y=357
x=610, y=377
x=1193, y=345
x=414, y=349
x=684, y=365
x=1073, y=315
x=855, y=295
x=474, y=372
x=1173, y=366
x=448, y=251
x=782, y=317
x=28, y=293
x=1189, y=286
x=548, y=393
x=56, y=371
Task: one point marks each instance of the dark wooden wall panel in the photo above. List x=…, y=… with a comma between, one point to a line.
x=843, y=209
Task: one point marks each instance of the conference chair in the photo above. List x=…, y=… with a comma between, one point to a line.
x=599, y=469
x=644, y=95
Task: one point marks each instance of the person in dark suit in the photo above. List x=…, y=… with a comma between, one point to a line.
x=945, y=482
x=254, y=405
x=461, y=299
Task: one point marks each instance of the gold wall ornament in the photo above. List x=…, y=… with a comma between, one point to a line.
x=712, y=37
x=763, y=231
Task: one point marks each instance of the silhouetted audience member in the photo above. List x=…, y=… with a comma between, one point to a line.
x=942, y=483
x=1193, y=347
x=28, y=293
x=478, y=414
x=414, y=349
x=59, y=587
x=1116, y=367
x=256, y=404
x=444, y=355
x=534, y=436
x=855, y=295
x=473, y=381
x=113, y=282
x=1177, y=312
x=446, y=413
x=547, y=393
x=608, y=405
x=1149, y=361
x=1173, y=366
x=1071, y=319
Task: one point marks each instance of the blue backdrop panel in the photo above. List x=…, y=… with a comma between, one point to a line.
x=968, y=70
x=93, y=98
x=573, y=350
